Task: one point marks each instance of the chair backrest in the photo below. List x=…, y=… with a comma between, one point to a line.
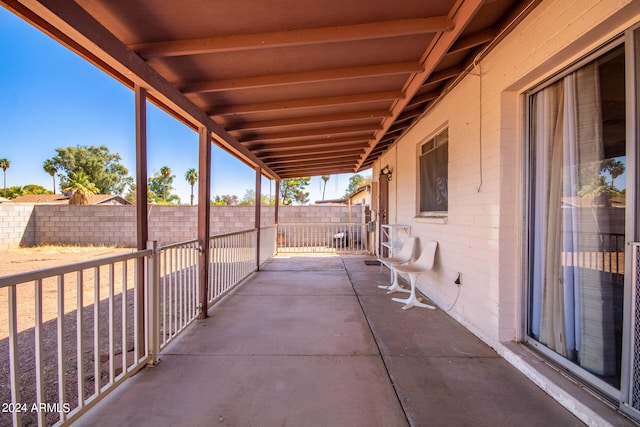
x=407, y=250
x=428, y=256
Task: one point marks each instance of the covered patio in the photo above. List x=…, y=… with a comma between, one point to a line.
x=313, y=88
x=311, y=340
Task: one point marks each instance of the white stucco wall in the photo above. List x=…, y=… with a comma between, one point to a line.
x=482, y=236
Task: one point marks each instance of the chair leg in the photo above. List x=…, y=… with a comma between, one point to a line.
x=395, y=284
x=390, y=280
x=413, y=301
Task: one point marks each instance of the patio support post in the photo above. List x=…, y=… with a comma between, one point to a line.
x=142, y=222
x=204, y=214
x=258, y=203
x=277, y=206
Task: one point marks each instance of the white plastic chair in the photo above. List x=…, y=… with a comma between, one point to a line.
x=404, y=256
x=423, y=264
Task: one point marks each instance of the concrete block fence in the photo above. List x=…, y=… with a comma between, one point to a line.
x=32, y=225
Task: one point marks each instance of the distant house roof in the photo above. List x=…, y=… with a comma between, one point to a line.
x=344, y=200
x=62, y=199
x=330, y=202
x=3, y=200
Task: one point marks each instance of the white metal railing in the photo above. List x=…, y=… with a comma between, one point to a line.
x=71, y=335
x=322, y=237
x=232, y=257
x=177, y=288
x=74, y=333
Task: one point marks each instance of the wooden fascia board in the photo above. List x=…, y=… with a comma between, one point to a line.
x=68, y=18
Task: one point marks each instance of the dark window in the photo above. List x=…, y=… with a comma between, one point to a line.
x=434, y=174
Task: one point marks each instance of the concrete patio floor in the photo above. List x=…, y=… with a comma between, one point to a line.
x=312, y=341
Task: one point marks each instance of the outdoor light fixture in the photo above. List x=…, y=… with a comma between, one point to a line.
x=387, y=172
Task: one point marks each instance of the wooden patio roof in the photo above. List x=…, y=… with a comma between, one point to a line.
x=293, y=87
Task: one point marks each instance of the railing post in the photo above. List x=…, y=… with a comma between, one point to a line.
x=153, y=303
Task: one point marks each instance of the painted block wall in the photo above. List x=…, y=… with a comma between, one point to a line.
x=29, y=225
x=481, y=236
x=16, y=225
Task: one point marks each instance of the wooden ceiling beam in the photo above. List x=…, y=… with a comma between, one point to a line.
x=318, y=155
x=445, y=74
x=308, y=120
x=287, y=145
x=460, y=15
x=275, y=80
x=472, y=40
x=324, y=170
x=300, y=37
x=290, y=152
x=310, y=170
x=296, y=104
x=313, y=163
x=327, y=132
x=421, y=99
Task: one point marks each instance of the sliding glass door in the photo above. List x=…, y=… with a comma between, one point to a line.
x=578, y=205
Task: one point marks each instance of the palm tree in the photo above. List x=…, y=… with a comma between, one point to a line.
x=165, y=172
x=50, y=168
x=614, y=167
x=81, y=187
x=191, y=175
x=4, y=164
x=325, y=178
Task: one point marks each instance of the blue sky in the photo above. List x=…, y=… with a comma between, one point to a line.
x=50, y=98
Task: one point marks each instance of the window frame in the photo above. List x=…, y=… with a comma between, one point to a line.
x=432, y=138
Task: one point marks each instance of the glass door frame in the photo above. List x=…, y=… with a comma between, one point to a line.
x=631, y=41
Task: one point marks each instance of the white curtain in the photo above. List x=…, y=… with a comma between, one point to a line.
x=567, y=138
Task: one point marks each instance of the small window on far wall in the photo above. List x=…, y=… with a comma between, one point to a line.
x=434, y=174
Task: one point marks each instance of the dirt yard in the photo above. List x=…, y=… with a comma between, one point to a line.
x=21, y=260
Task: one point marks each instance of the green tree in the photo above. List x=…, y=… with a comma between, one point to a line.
x=267, y=200
x=50, y=168
x=81, y=186
x=356, y=181
x=132, y=195
x=225, y=200
x=35, y=189
x=160, y=187
x=5, y=164
x=101, y=166
x=292, y=189
x=14, y=191
x=191, y=175
x=325, y=178
x=218, y=201
x=302, y=197
x=249, y=198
